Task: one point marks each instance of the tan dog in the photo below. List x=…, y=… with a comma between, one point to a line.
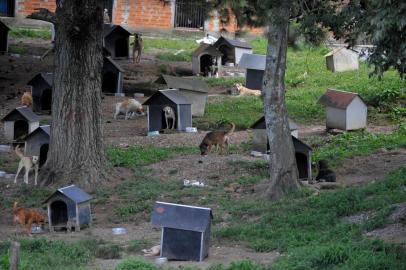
x=169, y=114
x=26, y=99
x=28, y=163
x=128, y=107
x=244, y=91
x=26, y=217
x=138, y=46
x=217, y=138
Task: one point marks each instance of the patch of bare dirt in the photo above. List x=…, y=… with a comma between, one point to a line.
x=393, y=233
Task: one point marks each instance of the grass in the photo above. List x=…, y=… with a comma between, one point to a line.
x=30, y=33
x=175, y=56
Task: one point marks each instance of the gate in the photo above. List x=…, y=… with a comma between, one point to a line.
x=7, y=8
x=190, y=13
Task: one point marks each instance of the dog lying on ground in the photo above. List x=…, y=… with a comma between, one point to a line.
x=138, y=46
x=28, y=163
x=26, y=217
x=128, y=107
x=169, y=114
x=325, y=173
x=244, y=91
x=154, y=251
x=217, y=138
x=26, y=99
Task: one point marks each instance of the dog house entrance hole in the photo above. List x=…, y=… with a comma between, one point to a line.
x=227, y=54
x=59, y=213
x=43, y=154
x=301, y=161
x=20, y=129
x=46, y=100
x=121, y=47
x=206, y=61
x=109, y=83
x=169, y=120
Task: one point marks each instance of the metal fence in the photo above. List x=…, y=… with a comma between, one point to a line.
x=189, y=13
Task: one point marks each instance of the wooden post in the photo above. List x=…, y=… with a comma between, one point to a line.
x=14, y=255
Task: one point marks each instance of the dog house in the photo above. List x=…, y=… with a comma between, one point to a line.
x=232, y=50
x=342, y=59
x=41, y=88
x=344, y=110
x=4, y=29
x=112, y=79
x=255, y=66
x=185, y=230
x=194, y=90
x=303, y=154
x=69, y=207
x=19, y=123
x=173, y=98
x=205, y=58
x=116, y=40
x=37, y=144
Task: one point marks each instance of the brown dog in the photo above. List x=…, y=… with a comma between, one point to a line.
x=26, y=99
x=138, y=46
x=217, y=138
x=26, y=217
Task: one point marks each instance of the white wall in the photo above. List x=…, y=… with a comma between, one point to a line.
x=335, y=118
x=345, y=60
x=356, y=114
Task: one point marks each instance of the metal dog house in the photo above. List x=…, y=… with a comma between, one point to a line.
x=232, y=50
x=112, y=76
x=37, y=143
x=116, y=40
x=4, y=29
x=41, y=88
x=255, y=65
x=19, y=123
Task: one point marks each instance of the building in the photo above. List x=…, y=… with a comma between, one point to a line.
x=194, y=90
x=41, y=89
x=255, y=66
x=185, y=230
x=116, y=41
x=37, y=144
x=19, y=123
x=342, y=59
x=4, y=29
x=69, y=207
x=344, y=110
x=112, y=76
x=205, y=58
x=232, y=50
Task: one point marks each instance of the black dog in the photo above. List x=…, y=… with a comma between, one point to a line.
x=325, y=173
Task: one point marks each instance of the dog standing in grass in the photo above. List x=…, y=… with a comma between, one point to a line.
x=216, y=138
x=28, y=163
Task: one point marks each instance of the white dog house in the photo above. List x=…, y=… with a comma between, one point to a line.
x=204, y=57
x=255, y=65
x=232, y=50
x=19, y=123
x=345, y=110
x=342, y=59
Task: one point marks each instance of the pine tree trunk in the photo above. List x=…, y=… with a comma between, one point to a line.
x=76, y=152
x=283, y=169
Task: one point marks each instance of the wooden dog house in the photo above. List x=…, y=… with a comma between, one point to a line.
x=173, y=98
x=112, y=76
x=185, y=230
x=232, y=50
x=204, y=57
x=4, y=29
x=69, y=207
x=19, y=123
x=116, y=40
x=344, y=110
x=194, y=90
x=342, y=59
x=37, y=144
x=255, y=66
x=41, y=88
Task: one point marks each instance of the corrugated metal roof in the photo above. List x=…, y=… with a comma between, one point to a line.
x=109, y=28
x=25, y=112
x=260, y=124
x=337, y=98
x=74, y=193
x=208, y=49
x=172, y=94
x=253, y=61
x=184, y=83
x=45, y=129
x=114, y=63
x=233, y=43
x=179, y=216
x=47, y=77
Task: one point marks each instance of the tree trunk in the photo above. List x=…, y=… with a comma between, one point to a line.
x=76, y=153
x=283, y=169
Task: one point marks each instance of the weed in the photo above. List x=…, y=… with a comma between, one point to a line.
x=137, y=245
x=17, y=49
x=108, y=251
x=30, y=33
x=176, y=57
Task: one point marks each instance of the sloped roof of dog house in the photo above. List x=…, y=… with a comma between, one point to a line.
x=172, y=94
x=25, y=112
x=233, y=43
x=338, y=99
x=44, y=129
x=183, y=83
x=207, y=49
x=179, y=216
x=4, y=26
x=341, y=50
x=253, y=61
x=114, y=63
x=74, y=193
x=109, y=28
x=299, y=144
x=47, y=77
x=260, y=124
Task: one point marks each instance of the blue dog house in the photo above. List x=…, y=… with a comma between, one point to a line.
x=185, y=233
x=69, y=207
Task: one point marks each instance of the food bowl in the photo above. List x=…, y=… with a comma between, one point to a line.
x=118, y=231
x=161, y=260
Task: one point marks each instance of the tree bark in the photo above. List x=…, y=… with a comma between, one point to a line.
x=283, y=169
x=76, y=153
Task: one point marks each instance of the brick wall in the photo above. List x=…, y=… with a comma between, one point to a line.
x=26, y=7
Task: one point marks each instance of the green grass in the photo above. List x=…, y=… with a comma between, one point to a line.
x=27, y=196
x=30, y=33
x=183, y=56
x=151, y=44
x=17, y=49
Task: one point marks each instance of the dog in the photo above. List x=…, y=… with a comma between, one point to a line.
x=169, y=114
x=28, y=163
x=325, y=173
x=128, y=107
x=244, y=91
x=138, y=46
x=26, y=217
x=217, y=138
x=26, y=99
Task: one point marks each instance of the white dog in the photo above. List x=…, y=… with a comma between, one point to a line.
x=128, y=107
x=169, y=114
x=28, y=163
x=244, y=91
